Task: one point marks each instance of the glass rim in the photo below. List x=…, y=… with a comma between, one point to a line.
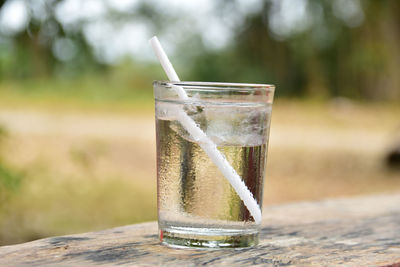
x=217, y=85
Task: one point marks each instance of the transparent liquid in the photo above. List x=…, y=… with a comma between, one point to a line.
x=197, y=206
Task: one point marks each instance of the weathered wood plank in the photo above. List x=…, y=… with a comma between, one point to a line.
x=355, y=231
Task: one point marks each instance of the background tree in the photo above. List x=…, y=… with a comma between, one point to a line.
x=307, y=47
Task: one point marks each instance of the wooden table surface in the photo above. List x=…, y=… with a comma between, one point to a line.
x=362, y=231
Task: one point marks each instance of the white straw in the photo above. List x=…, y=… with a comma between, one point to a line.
x=167, y=66
x=206, y=143
x=162, y=57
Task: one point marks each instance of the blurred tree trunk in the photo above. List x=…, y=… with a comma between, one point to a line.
x=380, y=56
x=391, y=33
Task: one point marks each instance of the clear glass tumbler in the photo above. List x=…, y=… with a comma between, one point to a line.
x=197, y=205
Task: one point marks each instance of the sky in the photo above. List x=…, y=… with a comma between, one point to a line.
x=111, y=41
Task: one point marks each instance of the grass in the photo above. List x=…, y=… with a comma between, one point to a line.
x=84, y=157
x=109, y=92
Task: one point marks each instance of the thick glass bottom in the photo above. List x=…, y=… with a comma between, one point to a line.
x=189, y=237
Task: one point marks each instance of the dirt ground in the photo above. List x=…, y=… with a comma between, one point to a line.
x=84, y=171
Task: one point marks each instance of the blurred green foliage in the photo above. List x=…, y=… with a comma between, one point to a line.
x=327, y=55
x=10, y=179
x=329, y=59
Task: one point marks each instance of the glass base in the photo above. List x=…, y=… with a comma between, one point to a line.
x=182, y=237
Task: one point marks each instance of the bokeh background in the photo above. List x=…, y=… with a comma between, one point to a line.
x=77, y=141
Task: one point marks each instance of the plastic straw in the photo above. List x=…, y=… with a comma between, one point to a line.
x=206, y=143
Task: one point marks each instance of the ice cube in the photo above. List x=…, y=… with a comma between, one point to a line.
x=167, y=111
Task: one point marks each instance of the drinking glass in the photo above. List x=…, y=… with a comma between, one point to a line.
x=197, y=205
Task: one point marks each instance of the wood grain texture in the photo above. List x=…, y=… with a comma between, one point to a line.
x=363, y=231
